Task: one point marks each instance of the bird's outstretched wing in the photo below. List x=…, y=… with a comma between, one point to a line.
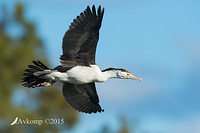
x=82, y=97
x=80, y=41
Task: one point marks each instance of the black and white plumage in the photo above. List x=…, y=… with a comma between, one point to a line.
x=78, y=70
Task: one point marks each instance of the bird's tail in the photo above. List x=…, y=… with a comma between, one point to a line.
x=33, y=75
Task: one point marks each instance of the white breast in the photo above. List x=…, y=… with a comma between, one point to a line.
x=83, y=74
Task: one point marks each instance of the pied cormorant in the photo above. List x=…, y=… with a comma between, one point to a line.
x=78, y=70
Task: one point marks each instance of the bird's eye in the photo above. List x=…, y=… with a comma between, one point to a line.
x=127, y=73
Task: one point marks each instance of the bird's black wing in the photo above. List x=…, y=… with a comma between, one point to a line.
x=80, y=41
x=82, y=97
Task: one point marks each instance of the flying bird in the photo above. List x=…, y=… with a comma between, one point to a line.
x=78, y=71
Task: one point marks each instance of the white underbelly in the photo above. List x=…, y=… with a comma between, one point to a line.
x=77, y=75
x=83, y=74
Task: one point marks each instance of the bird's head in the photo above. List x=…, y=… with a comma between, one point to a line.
x=124, y=74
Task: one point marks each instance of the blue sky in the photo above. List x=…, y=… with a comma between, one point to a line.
x=157, y=40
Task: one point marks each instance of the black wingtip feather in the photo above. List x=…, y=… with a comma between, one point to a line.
x=99, y=10
x=94, y=10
